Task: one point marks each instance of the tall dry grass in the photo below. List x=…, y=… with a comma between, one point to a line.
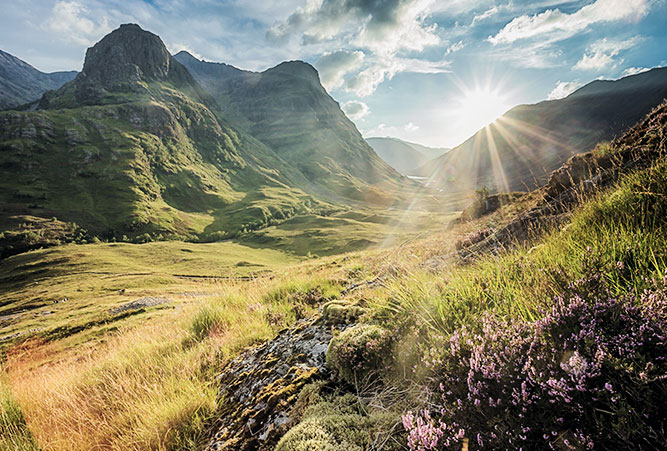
x=149, y=387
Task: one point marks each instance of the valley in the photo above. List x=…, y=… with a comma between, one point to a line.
x=195, y=256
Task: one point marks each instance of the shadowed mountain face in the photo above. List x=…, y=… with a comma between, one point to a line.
x=405, y=157
x=20, y=83
x=287, y=109
x=133, y=145
x=521, y=148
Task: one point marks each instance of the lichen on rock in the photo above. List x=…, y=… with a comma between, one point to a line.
x=259, y=388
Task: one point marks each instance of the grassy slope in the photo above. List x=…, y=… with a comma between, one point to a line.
x=101, y=169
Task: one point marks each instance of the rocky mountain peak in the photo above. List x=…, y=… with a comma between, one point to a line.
x=127, y=54
x=296, y=68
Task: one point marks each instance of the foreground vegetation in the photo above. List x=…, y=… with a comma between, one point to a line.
x=553, y=342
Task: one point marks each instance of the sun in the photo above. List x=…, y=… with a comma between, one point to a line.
x=479, y=107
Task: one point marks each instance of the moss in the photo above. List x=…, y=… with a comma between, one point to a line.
x=336, y=423
x=359, y=353
x=341, y=312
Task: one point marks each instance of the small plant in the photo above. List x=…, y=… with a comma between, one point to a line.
x=359, y=353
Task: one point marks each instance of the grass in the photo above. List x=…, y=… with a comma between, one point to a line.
x=96, y=278
x=623, y=225
x=14, y=433
x=147, y=380
x=149, y=386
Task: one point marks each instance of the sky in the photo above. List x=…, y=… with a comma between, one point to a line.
x=426, y=71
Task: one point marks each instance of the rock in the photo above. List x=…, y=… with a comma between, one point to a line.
x=259, y=388
x=139, y=304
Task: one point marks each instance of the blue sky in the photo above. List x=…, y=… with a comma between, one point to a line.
x=427, y=71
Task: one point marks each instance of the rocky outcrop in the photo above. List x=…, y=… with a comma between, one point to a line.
x=260, y=387
x=124, y=61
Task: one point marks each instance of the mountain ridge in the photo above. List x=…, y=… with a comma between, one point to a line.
x=404, y=156
x=21, y=83
x=139, y=150
x=519, y=150
x=287, y=109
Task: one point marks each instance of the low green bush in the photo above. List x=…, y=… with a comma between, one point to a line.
x=359, y=353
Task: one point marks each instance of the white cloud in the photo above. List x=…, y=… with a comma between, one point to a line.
x=355, y=109
x=381, y=33
x=378, y=70
x=558, y=25
x=410, y=127
x=563, y=89
x=602, y=54
x=634, y=71
x=486, y=14
x=384, y=27
x=71, y=21
x=333, y=66
x=405, y=131
x=455, y=47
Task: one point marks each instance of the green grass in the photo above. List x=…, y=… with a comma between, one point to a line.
x=346, y=231
x=95, y=278
x=624, y=224
x=14, y=434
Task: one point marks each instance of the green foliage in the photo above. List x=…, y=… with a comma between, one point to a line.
x=341, y=312
x=360, y=353
x=336, y=423
x=14, y=434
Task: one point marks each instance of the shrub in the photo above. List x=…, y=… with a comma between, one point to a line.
x=591, y=373
x=358, y=353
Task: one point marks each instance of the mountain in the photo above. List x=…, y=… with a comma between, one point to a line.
x=21, y=83
x=404, y=156
x=520, y=149
x=287, y=109
x=134, y=146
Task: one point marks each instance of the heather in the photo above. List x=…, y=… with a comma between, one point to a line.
x=586, y=375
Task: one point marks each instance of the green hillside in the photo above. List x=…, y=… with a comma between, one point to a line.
x=131, y=147
x=287, y=109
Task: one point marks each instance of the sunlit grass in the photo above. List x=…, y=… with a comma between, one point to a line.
x=624, y=224
x=153, y=386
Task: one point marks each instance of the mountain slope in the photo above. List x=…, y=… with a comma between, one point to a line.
x=21, y=83
x=131, y=146
x=287, y=109
x=521, y=148
x=405, y=157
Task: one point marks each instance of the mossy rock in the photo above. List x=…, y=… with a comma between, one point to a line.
x=339, y=423
x=360, y=353
x=332, y=425
x=341, y=312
